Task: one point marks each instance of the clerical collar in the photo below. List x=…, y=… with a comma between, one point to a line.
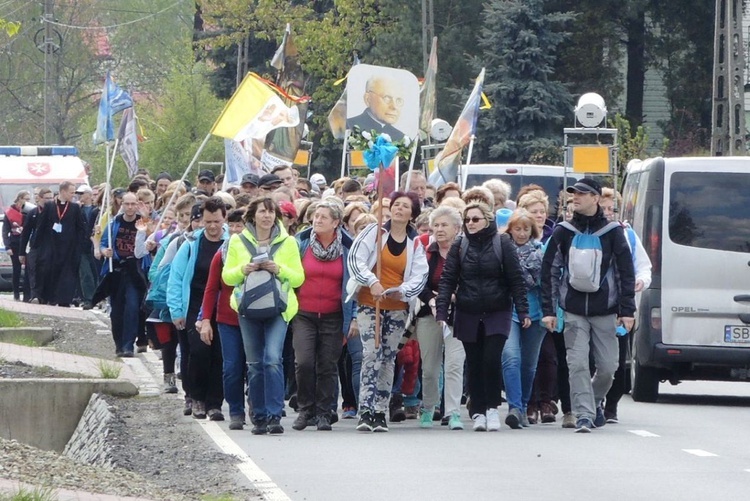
x=382, y=124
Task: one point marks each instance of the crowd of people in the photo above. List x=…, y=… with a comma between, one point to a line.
x=285, y=289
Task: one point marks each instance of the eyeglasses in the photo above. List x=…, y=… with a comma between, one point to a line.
x=474, y=219
x=389, y=100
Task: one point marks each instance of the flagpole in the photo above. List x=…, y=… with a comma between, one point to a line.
x=379, y=253
x=468, y=158
x=343, y=153
x=184, y=174
x=411, y=163
x=109, y=200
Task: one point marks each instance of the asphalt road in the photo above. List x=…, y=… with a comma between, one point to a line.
x=693, y=444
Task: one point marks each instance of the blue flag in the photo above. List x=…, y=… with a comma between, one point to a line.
x=114, y=99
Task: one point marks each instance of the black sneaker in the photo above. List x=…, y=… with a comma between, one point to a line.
x=379, y=423
x=274, y=426
x=324, y=423
x=260, y=427
x=333, y=417
x=600, y=420
x=365, y=422
x=301, y=422
x=215, y=415
x=188, y=409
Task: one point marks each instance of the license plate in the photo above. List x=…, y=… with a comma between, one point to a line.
x=737, y=334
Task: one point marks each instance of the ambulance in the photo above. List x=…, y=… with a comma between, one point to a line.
x=29, y=168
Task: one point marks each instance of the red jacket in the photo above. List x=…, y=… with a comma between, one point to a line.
x=217, y=295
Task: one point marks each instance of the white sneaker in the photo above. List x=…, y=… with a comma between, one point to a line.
x=480, y=422
x=493, y=420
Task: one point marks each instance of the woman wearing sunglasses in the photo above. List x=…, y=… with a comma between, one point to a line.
x=483, y=271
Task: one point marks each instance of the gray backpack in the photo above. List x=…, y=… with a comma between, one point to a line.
x=585, y=258
x=261, y=296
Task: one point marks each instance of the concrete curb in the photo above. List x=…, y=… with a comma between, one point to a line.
x=41, y=335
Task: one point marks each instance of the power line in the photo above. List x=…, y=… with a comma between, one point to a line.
x=74, y=27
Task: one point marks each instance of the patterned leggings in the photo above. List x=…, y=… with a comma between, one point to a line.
x=377, y=364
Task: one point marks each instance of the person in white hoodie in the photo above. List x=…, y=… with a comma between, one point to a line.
x=642, y=265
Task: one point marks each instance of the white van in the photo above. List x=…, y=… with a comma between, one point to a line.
x=29, y=167
x=549, y=177
x=693, y=217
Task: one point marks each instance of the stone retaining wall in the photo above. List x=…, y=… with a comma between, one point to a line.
x=89, y=441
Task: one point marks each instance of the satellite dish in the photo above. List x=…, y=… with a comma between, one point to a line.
x=591, y=110
x=440, y=130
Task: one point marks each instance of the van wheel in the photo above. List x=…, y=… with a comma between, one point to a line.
x=645, y=382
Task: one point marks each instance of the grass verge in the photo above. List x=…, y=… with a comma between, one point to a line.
x=36, y=494
x=10, y=319
x=109, y=370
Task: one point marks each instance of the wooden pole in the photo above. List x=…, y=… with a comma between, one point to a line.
x=109, y=199
x=379, y=254
x=411, y=164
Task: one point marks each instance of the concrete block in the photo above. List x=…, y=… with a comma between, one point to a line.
x=42, y=335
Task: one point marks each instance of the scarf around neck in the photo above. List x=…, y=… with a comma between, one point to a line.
x=330, y=253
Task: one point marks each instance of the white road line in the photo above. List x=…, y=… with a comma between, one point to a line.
x=700, y=453
x=262, y=482
x=643, y=433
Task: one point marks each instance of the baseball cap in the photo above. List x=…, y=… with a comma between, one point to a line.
x=163, y=175
x=84, y=188
x=269, y=180
x=250, y=179
x=206, y=175
x=195, y=212
x=318, y=179
x=288, y=209
x=586, y=185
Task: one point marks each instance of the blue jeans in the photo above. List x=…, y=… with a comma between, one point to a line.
x=520, y=357
x=233, y=353
x=126, y=304
x=354, y=346
x=264, y=345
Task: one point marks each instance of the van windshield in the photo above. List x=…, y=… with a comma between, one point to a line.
x=710, y=210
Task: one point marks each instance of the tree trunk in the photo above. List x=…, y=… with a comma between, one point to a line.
x=636, y=48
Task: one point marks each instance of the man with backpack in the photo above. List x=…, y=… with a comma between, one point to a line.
x=588, y=272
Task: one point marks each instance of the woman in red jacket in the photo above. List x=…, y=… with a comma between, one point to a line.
x=216, y=302
x=12, y=228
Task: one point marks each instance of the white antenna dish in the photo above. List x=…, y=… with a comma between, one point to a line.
x=591, y=110
x=440, y=130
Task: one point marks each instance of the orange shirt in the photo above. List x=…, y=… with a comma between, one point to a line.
x=392, y=275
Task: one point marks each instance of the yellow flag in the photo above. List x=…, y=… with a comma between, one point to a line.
x=253, y=111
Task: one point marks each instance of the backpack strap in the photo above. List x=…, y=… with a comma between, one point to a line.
x=497, y=247
x=607, y=228
x=570, y=227
x=254, y=251
x=464, y=247
x=630, y=232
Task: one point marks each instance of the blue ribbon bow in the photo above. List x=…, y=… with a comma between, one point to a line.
x=382, y=153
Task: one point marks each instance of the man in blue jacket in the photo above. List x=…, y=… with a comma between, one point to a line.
x=187, y=282
x=591, y=318
x=128, y=281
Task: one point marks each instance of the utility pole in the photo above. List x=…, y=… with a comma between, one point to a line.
x=428, y=31
x=48, y=63
x=728, y=114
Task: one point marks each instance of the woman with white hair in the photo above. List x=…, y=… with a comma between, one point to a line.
x=445, y=223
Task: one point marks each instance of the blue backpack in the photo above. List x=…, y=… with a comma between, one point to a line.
x=585, y=258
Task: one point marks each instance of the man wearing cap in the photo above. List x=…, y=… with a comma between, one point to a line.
x=249, y=184
x=206, y=182
x=87, y=268
x=591, y=318
x=319, y=180
x=268, y=183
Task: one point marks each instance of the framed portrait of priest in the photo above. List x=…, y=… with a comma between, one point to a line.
x=382, y=99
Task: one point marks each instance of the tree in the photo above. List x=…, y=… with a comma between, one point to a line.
x=519, y=43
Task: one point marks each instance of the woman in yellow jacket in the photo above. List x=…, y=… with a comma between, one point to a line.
x=263, y=340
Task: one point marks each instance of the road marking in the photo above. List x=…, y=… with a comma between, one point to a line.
x=700, y=453
x=643, y=433
x=262, y=482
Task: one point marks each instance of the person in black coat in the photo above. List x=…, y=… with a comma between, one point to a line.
x=487, y=279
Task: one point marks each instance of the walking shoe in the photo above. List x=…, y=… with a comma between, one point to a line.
x=493, y=419
x=34, y=300
x=127, y=354
x=480, y=422
x=293, y=402
x=87, y=305
x=378, y=422
x=324, y=423
x=142, y=349
x=396, y=408
x=215, y=415
x=170, y=385
x=274, y=426
x=260, y=427
x=611, y=417
x=365, y=422
x=236, y=422
x=600, y=420
x=302, y=422
x=188, y=409
x=547, y=412
x=513, y=419
x=532, y=413
x=445, y=421
x=437, y=415
x=584, y=425
x=199, y=409
x=454, y=421
x=411, y=411
x=333, y=417
x=349, y=413
x=569, y=420
x=525, y=420
x=425, y=418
